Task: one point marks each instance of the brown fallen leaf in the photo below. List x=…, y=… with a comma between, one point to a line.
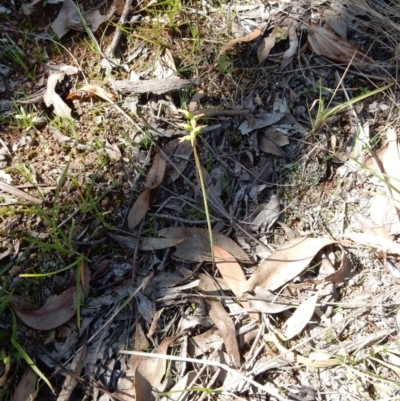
x=139, y=209
x=290, y=53
x=52, y=98
x=391, y=165
x=221, y=319
x=26, y=389
x=266, y=301
x=71, y=380
x=96, y=90
x=326, y=43
x=196, y=244
x=233, y=275
x=150, y=371
x=180, y=151
x=145, y=244
x=286, y=263
x=57, y=310
x=270, y=143
x=248, y=38
x=268, y=43
x=300, y=318
x=156, y=173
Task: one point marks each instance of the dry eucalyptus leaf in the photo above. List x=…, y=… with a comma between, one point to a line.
x=156, y=173
x=300, y=318
x=248, y=38
x=375, y=241
x=51, y=98
x=290, y=53
x=96, y=90
x=26, y=389
x=266, y=301
x=150, y=372
x=260, y=121
x=196, y=244
x=385, y=215
x=286, y=263
x=267, y=44
x=69, y=18
x=221, y=318
x=57, y=310
x=139, y=209
x=180, y=151
x=145, y=244
x=326, y=43
x=336, y=22
x=267, y=143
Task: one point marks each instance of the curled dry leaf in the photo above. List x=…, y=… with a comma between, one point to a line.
x=52, y=98
x=139, y=209
x=150, y=372
x=233, y=274
x=260, y=121
x=196, y=244
x=156, y=173
x=248, y=38
x=26, y=389
x=96, y=90
x=145, y=244
x=57, y=310
x=290, y=53
x=268, y=43
x=221, y=318
x=300, y=318
x=326, y=43
x=286, y=263
x=180, y=151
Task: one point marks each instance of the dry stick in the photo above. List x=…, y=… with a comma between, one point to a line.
x=110, y=51
x=241, y=376
x=21, y=194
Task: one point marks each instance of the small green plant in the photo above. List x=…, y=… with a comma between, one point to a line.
x=17, y=55
x=323, y=112
x=224, y=67
x=25, y=120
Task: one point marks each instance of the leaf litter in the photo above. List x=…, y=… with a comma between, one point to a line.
x=283, y=276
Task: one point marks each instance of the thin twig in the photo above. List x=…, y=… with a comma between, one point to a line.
x=234, y=372
x=21, y=194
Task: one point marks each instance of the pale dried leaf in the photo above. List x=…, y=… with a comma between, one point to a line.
x=156, y=173
x=385, y=215
x=180, y=151
x=139, y=209
x=145, y=244
x=221, y=318
x=26, y=389
x=319, y=363
x=71, y=381
x=67, y=18
x=326, y=43
x=268, y=145
x=336, y=22
x=286, y=263
x=150, y=372
x=57, y=310
x=266, y=301
x=267, y=44
x=300, y=318
x=145, y=307
x=290, y=53
x=51, y=98
x=232, y=273
x=248, y=38
x=261, y=121
x=196, y=244
x=375, y=241
x=98, y=91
